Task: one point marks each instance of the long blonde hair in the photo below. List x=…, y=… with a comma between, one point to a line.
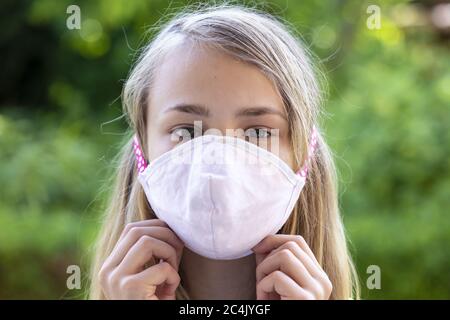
x=260, y=39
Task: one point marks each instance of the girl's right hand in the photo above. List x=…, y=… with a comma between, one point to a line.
x=143, y=264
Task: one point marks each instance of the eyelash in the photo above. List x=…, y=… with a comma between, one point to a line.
x=183, y=129
x=266, y=132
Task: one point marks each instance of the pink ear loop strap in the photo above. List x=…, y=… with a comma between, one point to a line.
x=140, y=160
x=312, y=148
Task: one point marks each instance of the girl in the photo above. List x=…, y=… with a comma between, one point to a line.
x=223, y=231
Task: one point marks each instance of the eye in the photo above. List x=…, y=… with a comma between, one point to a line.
x=257, y=133
x=184, y=133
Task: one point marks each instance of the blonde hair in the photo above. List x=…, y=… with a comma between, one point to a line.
x=260, y=39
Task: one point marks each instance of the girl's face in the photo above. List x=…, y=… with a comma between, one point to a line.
x=195, y=84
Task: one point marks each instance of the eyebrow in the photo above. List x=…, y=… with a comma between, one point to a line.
x=202, y=110
x=259, y=111
x=190, y=108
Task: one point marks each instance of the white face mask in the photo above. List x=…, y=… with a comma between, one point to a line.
x=221, y=195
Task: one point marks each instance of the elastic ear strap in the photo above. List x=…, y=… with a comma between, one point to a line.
x=140, y=160
x=311, y=149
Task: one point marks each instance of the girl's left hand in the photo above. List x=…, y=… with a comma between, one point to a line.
x=287, y=269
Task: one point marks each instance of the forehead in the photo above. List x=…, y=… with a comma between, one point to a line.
x=191, y=73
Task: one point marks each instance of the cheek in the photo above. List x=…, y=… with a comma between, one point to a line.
x=159, y=141
x=285, y=151
x=158, y=144
x=287, y=155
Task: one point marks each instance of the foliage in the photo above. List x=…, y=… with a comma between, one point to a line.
x=386, y=120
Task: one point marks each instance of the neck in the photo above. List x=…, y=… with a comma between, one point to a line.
x=205, y=278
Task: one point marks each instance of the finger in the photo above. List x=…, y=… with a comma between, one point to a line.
x=287, y=262
x=259, y=257
x=272, y=242
x=324, y=285
x=161, y=274
x=305, y=259
x=279, y=283
x=142, y=223
x=135, y=233
x=321, y=285
x=142, y=251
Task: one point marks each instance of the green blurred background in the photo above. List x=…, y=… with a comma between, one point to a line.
x=387, y=120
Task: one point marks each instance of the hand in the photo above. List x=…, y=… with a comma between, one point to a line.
x=143, y=264
x=287, y=269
